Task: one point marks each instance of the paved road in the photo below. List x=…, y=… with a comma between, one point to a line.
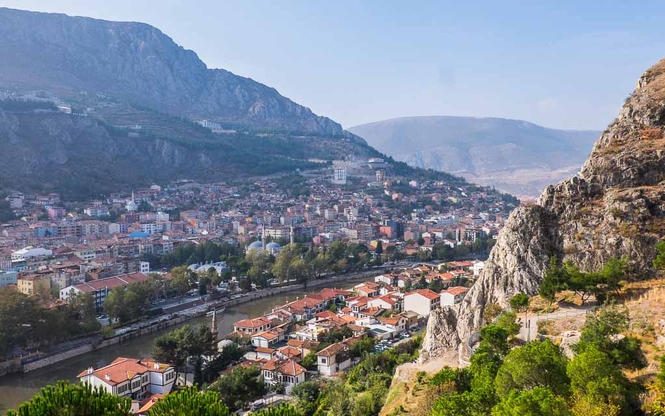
x=529, y=332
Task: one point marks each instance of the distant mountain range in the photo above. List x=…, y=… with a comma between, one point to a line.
x=515, y=156
x=135, y=96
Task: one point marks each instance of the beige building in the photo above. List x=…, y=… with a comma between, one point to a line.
x=33, y=284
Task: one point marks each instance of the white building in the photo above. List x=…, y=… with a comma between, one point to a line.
x=333, y=359
x=29, y=252
x=286, y=372
x=422, y=301
x=453, y=295
x=129, y=377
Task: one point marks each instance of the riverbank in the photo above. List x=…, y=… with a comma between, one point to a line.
x=19, y=387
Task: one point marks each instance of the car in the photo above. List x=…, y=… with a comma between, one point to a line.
x=256, y=406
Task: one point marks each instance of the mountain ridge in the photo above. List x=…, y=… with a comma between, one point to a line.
x=139, y=63
x=493, y=151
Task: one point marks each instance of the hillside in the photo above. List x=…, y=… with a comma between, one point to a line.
x=512, y=155
x=80, y=58
x=614, y=208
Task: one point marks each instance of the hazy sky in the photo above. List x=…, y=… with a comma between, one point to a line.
x=566, y=64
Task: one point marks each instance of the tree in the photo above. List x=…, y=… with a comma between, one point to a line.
x=176, y=346
x=597, y=384
x=204, y=282
x=436, y=285
x=508, y=321
x=190, y=401
x=307, y=397
x=601, y=331
x=379, y=248
x=282, y=268
x=65, y=399
x=240, y=387
x=659, y=262
x=536, y=364
x=492, y=310
x=554, y=280
x=180, y=281
x=539, y=401
x=519, y=302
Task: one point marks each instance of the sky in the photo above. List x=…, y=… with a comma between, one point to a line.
x=562, y=64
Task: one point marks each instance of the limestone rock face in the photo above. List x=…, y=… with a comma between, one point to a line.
x=614, y=207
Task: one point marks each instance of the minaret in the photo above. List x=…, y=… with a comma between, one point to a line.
x=291, y=233
x=213, y=327
x=263, y=237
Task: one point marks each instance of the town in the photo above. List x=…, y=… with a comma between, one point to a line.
x=319, y=335
x=80, y=275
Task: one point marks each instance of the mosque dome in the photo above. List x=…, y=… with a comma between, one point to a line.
x=257, y=245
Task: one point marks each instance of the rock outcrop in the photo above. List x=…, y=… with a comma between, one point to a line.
x=614, y=207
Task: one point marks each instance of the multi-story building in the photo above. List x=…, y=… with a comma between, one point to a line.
x=129, y=377
x=101, y=288
x=33, y=284
x=7, y=278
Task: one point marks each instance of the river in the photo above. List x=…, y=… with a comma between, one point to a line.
x=17, y=388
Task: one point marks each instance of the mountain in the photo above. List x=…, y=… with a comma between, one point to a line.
x=135, y=98
x=137, y=63
x=512, y=155
x=614, y=208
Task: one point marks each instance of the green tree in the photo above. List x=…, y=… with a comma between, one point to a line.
x=492, y=310
x=536, y=364
x=240, y=387
x=519, y=302
x=175, y=347
x=307, y=397
x=539, y=401
x=190, y=401
x=436, y=285
x=65, y=399
x=379, y=248
x=180, y=280
x=508, y=321
x=283, y=267
x=602, y=330
x=554, y=280
x=659, y=262
x=596, y=382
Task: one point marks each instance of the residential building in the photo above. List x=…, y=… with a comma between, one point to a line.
x=334, y=358
x=421, y=301
x=101, y=288
x=453, y=295
x=34, y=284
x=129, y=377
x=287, y=372
x=251, y=326
x=7, y=278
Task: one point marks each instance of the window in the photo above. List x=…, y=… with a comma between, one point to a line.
x=323, y=360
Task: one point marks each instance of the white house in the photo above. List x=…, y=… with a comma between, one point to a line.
x=385, y=278
x=129, y=377
x=477, y=267
x=333, y=359
x=453, y=295
x=267, y=339
x=286, y=372
x=422, y=301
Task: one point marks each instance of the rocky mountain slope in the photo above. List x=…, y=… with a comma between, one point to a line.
x=84, y=156
x=512, y=155
x=80, y=58
x=614, y=207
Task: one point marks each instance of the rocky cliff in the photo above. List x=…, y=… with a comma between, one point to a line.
x=80, y=58
x=614, y=207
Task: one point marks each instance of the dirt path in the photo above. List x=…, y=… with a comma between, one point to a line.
x=408, y=371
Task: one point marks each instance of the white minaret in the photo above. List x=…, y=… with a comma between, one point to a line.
x=291, y=233
x=263, y=237
x=213, y=327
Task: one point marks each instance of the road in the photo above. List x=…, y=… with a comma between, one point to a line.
x=529, y=332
